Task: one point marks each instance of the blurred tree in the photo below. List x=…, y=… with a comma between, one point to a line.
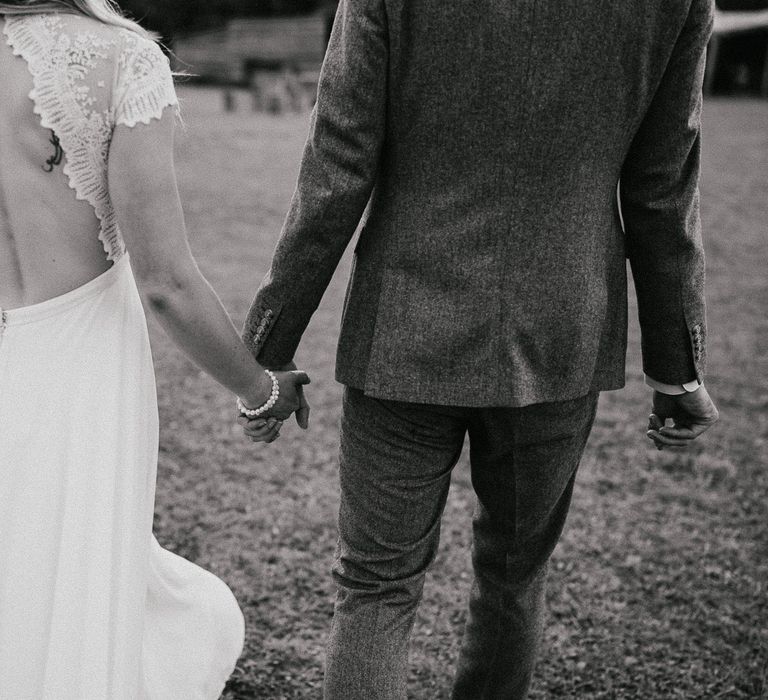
x=742, y=5
x=272, y=7
x=172, y=17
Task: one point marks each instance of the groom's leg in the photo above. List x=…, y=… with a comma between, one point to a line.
x=396, y=461
x=524, y=464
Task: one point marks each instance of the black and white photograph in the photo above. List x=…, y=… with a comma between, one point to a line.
x=383, y=349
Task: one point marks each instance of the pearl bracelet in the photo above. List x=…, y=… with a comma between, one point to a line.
x=271, y=401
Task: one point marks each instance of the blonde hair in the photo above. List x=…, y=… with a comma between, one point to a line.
x=105, y=11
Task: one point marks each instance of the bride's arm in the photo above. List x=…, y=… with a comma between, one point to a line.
x=143, y=189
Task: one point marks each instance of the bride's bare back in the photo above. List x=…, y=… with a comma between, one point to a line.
x=86, y=140
x=49, y=241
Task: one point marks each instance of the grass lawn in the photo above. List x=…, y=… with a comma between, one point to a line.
x=658, y=588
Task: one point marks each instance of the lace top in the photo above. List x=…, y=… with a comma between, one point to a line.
x=89, y=77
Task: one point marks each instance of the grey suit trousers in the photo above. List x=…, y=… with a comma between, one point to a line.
x=396, y=463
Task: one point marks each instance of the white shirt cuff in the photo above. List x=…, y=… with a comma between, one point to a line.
x=672, y=389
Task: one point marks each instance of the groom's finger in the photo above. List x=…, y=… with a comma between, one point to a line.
x=251, y=422
x=686, y=432
x=261, y=431
x=300, y=377
x=255, y=424
x=267, y=435
x=270, y=427
x=269, y=438
x=665, y=441
x=654, y=422
x=257, y=432
x=273, y=435
x=302, y=415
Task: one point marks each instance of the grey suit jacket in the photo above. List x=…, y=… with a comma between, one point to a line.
x=481, y=145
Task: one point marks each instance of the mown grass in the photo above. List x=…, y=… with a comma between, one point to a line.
x=658, y=588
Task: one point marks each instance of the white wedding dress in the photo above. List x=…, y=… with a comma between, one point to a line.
x=91, y=607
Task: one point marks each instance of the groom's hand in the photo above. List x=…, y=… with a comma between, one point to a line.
x=261, y=429
x=690, y=413
x=302, y=412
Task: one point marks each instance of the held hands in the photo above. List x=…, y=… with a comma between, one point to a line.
x=691, y=414
x=266, y=427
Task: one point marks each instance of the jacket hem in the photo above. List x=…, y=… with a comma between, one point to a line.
x=466, y=395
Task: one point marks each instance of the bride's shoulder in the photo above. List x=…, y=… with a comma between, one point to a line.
x=135, y=46
x=74, y=32
x=68, y=38
x=144, y=86
x=127, y=43
x=118, y=69
x=81, y=28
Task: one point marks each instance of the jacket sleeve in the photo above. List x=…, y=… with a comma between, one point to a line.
x=337, y=174
x=660, y=207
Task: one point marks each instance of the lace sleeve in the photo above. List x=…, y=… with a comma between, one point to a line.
x=144, y=84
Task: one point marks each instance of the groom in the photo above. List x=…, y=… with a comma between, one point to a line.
x=478, y=146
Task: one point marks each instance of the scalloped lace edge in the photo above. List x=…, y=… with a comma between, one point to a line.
x=48, y=99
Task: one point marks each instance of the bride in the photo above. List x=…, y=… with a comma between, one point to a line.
x=91, y=607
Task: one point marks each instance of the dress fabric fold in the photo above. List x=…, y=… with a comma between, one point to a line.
x=91, y=607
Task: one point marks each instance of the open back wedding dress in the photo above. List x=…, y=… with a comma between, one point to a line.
x=91, y=607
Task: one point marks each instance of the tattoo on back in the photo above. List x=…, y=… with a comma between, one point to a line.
x=58, y=154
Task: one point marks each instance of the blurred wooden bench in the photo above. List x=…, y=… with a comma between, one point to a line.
x=728, y=24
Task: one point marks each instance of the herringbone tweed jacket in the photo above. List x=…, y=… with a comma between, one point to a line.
x=481, y=144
